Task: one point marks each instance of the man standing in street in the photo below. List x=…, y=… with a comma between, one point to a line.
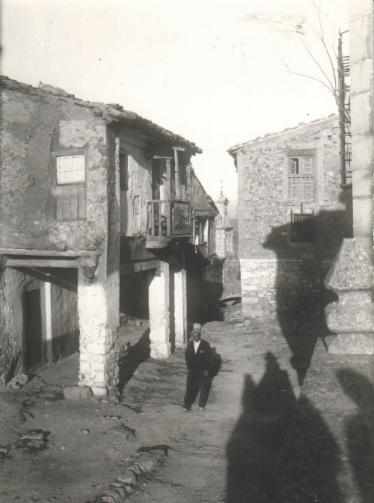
x=198, y=353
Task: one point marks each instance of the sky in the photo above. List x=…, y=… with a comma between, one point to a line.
x=218, y=72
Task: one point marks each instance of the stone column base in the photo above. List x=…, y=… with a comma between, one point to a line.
x=180, y=308
x=159, y=312
x=160, y=350
x=352, y=317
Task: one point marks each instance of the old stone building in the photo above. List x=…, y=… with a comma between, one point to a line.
x=95, y=219
x=292, y=215
x=227, y=250
x=224, y=228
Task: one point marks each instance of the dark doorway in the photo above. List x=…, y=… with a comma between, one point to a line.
x=134, y=294
x=33, y=338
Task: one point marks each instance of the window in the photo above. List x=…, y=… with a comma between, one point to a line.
x=301, y=179
x=70, y=169
x=182, y=167
x=294, y=166
x=198, y=231
x=160, y=181
x=180, y=173
x=70, y=187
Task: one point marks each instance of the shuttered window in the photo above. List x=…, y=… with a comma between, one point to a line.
x=70, y=187
x=301, y=179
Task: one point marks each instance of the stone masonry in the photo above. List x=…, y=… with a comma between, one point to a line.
x=275, y=269
x=352, y=316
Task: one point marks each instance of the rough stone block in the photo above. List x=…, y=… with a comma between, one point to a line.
x=350, y=317
x=362, y=151
x=353, y=344
x=361, y=75
x=361, y=122
x=99, y=391
x=77, y=392
x=353, y=268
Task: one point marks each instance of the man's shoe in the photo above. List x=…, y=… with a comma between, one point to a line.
x=202, y=408
x=187, y=409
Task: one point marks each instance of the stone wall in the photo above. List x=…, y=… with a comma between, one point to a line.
x=36, y=126
x=11, y=322
x=362, y=113
x=351, y=316
x=231, y=277
x=220, y=242
x=270, y=262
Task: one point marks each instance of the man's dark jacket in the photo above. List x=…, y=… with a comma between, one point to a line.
x=200, y=361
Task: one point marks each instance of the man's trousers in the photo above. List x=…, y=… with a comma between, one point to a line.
x=197, y=383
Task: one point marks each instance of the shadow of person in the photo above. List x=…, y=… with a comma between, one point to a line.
x=303, y=260
x=130, y=360
x=359, y=430
x=280, y=450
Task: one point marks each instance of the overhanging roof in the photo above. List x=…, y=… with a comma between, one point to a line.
x=109, y=112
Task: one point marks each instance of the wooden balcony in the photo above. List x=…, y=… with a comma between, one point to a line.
x=167, y=220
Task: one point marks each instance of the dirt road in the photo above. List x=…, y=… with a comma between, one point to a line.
x=262, y=438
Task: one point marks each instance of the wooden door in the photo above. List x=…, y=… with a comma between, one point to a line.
x=33, y=338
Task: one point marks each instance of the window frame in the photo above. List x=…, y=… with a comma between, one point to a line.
x=300, y=155
x=59, y=188
x=58, y=155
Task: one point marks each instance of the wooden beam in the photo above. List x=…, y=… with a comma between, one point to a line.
x=51, y=276
x=134, y=267
x=47, y=253
x=32, y=263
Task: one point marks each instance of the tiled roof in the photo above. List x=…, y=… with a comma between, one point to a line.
x=330, y=118
x=110, y=112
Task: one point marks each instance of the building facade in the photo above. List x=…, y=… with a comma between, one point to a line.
x=94, y=200
x=292, y=215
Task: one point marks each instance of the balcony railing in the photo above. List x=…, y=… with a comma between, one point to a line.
x=167, y=220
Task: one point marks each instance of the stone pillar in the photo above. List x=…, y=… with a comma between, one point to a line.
x=46, y=299
x=159, y=312
x=94, y=331
x=352, y=317
x=180, y=307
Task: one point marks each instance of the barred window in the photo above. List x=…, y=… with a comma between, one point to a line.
x=301, y=179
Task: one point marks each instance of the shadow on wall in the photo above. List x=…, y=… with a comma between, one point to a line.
x=359, y=430
x=131, y=358
x=280, y=450
x=301, y=294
